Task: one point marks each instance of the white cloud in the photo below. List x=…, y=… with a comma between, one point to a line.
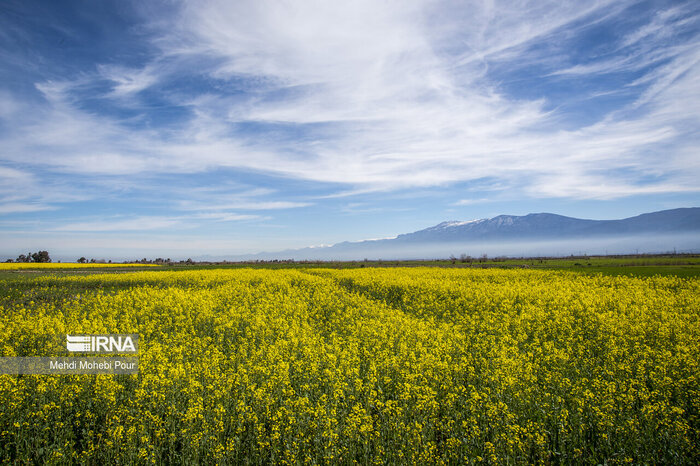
x=388, y=95
x=401, y=114
x=19, y=207
x=463, y=202
x=129, y=81
x=244, y=205
x=12, y=175
x=146, y=223
x=23, y=192
x=228, y=198
x=132, y=224
x=229, y=217
x=663, y=25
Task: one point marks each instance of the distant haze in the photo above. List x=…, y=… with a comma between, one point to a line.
x=637, y=244
x=540, y=234
x=532, y=235
x=217, y=128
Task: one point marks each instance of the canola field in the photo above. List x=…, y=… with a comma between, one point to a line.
x=65, y=265
x=368, y=366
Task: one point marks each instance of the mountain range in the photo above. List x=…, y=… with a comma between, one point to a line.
x=532, y=234
x=557, y=226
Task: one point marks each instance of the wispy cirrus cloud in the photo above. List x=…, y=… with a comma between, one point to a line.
x=229, y=217
x=132, y=224
x=22, y=192
x=416, y=108
x=417, y=120
x=244, y=205
x=463, y=202
x=22, y=207
x=129, y=81
x=146, y=223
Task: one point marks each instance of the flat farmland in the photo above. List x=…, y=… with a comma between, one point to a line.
x=369, y=365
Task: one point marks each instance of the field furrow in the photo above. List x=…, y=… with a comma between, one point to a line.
x=370, y=365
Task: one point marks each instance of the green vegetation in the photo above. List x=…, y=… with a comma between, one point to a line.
x=385, y=365
x=681, y=265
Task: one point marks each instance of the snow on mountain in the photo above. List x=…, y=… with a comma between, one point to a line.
x=515, y=235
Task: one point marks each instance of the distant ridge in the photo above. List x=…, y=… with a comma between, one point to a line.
x=546, y=225
x=656, y=229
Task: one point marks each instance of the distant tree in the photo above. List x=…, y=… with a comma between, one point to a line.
x=9, y=260
x=23, y=258
x=92, y=261
x=41, y=256
x=82, y=260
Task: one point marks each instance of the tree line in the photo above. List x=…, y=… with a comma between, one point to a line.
x=39, y=256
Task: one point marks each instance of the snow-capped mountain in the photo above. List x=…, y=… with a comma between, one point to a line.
x=546, y=225
x=533, y=234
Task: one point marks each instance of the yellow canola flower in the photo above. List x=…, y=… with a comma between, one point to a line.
x=419, y=365
x=66, y=265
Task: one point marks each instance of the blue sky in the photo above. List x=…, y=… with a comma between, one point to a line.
x=176, y=129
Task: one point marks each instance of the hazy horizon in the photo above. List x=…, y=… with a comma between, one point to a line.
x=132, y=129
x=682, y=243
